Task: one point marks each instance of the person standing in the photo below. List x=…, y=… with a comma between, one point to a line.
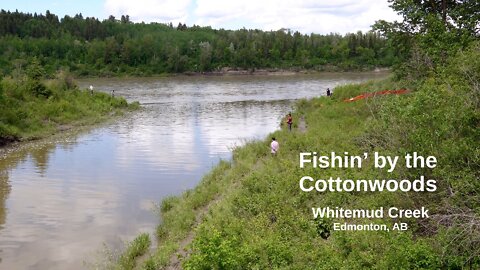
x=274, y=146
x=329, y=93
x=289, y=121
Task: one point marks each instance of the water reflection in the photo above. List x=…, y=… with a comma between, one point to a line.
x=56, y=212
x=62, y=199
x=33, y=197
x=4, y=191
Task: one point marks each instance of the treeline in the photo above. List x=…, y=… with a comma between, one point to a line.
x=88, y=46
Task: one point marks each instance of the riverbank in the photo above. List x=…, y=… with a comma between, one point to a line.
x=241, y=72
x=32, y=109
x=109, y=176
x=251, y=213
x=226, y=71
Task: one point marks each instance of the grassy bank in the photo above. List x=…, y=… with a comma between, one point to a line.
x=258, y=217
x=31, y=107
x=250, y=213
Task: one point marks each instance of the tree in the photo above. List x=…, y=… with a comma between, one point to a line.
x=205, y=55
x=125, y=19
x=35, y=73
x=89, y=46
x=437, y=27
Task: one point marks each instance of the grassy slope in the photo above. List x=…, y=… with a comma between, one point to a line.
x=24, y=115
x=250, y=213
x=267, y=222
x=260, y=218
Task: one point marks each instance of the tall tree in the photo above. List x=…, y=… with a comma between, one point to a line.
x=437, y=27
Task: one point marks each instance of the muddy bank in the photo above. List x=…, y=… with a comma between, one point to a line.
x=274, y=71
x=7, y=140
x=233, y=71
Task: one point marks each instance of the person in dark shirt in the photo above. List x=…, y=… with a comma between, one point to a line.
x=289, y=121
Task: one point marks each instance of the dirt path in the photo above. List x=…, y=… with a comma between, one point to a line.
x=182, y=252
x=302, y=125
x=175, y=259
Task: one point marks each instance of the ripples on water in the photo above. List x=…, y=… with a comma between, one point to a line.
x=60, y=200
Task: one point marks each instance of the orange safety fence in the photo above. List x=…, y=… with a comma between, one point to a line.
x=378, y=93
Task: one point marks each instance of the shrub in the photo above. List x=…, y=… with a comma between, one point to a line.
x=38, y=89
x=135, y=249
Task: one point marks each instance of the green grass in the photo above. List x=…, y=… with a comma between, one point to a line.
x=260, y=218
x=32, y=109
x=135, y=249
x=253, y=215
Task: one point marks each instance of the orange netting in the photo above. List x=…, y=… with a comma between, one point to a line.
x=378, y=93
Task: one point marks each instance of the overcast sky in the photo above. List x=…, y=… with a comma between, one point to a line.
x=306, y=16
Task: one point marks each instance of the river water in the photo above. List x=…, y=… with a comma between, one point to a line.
x=63, y=199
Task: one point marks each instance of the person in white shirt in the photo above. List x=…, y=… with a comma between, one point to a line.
x=274, y=146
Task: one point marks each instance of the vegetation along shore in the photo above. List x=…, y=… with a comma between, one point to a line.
x=33, y=107
x=250, y=213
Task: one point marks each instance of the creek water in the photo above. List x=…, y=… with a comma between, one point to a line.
x=63, y=199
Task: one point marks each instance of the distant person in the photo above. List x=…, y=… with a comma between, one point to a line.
x=91, y=89
x=329, y=93
x=274, y=146
x=113, y=93
x=289, y=121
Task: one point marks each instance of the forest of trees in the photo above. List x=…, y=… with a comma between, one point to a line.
x=88, y=46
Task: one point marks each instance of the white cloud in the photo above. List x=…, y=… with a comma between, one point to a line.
x=149, y=10
x=303, y=15
x=306, y=16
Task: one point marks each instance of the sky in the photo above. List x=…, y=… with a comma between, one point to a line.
x=306, y=16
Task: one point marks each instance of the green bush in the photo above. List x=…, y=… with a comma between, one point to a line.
x=215, y=252
x=31, y=108
x=442, y=119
